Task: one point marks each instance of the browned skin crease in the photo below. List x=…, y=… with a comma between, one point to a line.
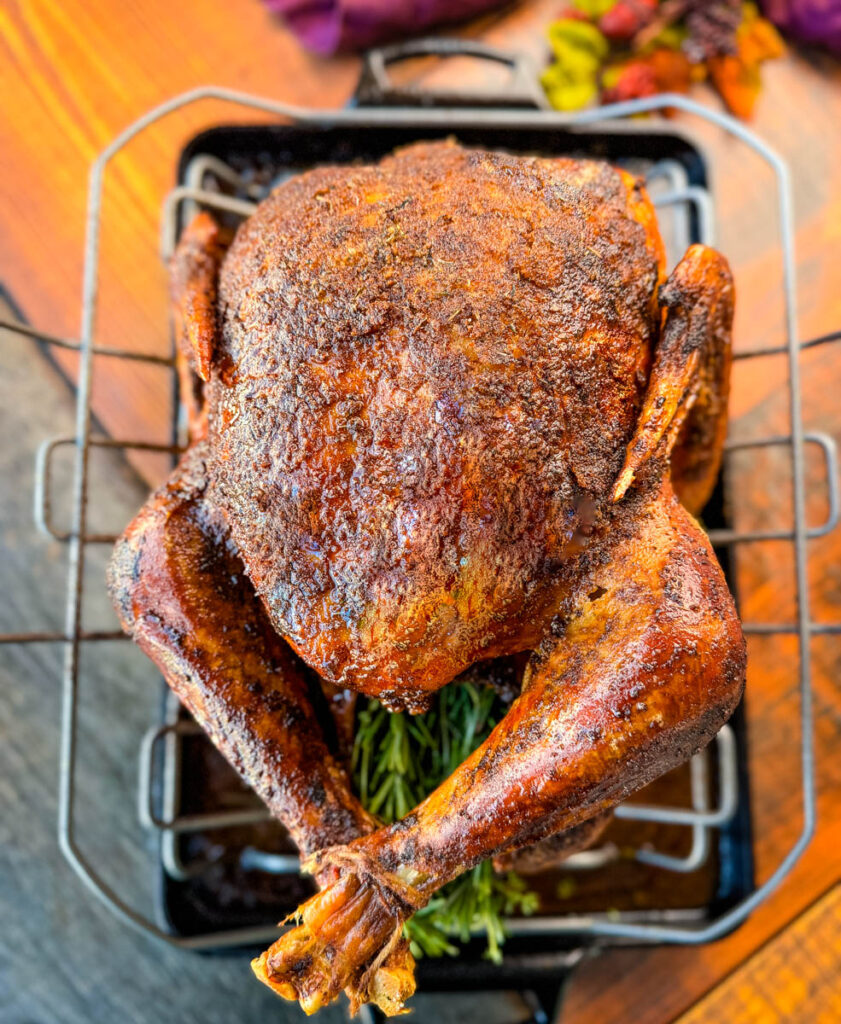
x=443, y=397
x=342, y=706
x=548, y=847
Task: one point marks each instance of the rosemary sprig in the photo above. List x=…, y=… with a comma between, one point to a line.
x=397, y=761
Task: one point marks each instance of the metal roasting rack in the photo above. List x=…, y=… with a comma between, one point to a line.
x=235, y=196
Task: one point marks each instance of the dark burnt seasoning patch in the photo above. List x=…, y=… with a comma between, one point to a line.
x=389, y=859
x=408, y=822
x=317, y=794
x=301, y=966
x=287, y=710
x=333, y=820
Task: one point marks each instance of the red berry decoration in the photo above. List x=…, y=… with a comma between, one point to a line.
x=622, y=22
x=637, y=79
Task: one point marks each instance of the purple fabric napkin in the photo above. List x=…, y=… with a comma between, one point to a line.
x=812, y=21
x=328, y=26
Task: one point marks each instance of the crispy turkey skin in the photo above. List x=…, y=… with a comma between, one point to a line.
x=428, y=371
x=443, y=409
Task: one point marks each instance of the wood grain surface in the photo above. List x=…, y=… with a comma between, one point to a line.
x=793, y=977
x=74, y=73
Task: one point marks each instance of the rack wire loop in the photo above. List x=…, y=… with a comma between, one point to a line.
x=42, y=493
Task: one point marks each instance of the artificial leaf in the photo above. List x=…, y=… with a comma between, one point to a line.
x=737, y=77
x=672, y=70
x=572, y=95
x=737, y=82
x=757, y=38
x=594, y=8
x=580, y=49
x=577, y=43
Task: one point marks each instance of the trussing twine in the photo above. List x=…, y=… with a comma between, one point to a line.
x=353, y=860
x=363, y=986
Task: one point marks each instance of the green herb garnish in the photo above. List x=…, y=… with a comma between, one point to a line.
x=398, y=760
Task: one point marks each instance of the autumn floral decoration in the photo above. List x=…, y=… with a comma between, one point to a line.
x=611, y=50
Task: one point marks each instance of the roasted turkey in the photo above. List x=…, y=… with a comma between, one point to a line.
x=443, y=409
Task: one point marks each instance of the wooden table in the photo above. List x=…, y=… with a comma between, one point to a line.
x=72, y=74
